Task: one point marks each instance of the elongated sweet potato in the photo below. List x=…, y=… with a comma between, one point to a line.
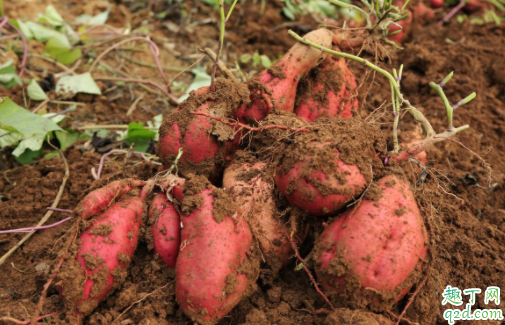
x=324, y=170
x=327, y=91
x=321, y=189
x=101, y=256
x=254, y=198
x=275, y=87
x=211, y=273
x=369, y=255
x=99, y=199
x=166, y=229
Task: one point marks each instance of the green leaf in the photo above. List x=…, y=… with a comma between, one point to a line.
x=9, y=139
x=51, y=154
x=59, y=48
x=17, y=119
x=82, y=83
x=202, y=79
x=288, y=13
x=52, y=17
x=87, y=19
x=22, y=27
x=256, y=59
x=245, y=58
x=140, y=136
x=41, y=33
x=69, y=137
x=265, y=61
x=8, y=75
x=28, y=156
x=35, y=92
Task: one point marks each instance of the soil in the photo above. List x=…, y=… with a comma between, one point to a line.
x=462, y=203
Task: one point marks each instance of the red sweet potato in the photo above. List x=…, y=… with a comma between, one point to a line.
x=254, y=197
x=404, y=25
x=327, y=91
x=99, y=199
x=102, y=255
x=319, y=184
x=275, y=87
x=436, y=3
x=206, y=143
x=373, y=249
x=166, y=229
x=210, y=273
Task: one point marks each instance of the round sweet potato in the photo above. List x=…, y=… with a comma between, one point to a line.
x=367, y=255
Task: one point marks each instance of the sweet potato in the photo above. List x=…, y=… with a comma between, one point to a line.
x=206, y=143
x=327, y=91
x=211, y=273
x=254, y=197
x=101, y=256
x=404, y=25
x=275, y=87
x=99, y=199
x=166, y=229
x=437, y=3
x=322, y=183
x=369, y=255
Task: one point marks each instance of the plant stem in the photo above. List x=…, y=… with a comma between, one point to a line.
x=447, y=105
x=431, y=136
x=452, y=12
x=221, y=43
x=413, y=110
x=1, y=8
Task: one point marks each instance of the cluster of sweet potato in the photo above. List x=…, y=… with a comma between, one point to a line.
x=247, y=191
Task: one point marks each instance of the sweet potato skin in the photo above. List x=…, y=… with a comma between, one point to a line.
x=275, y=87
x=330, y=87
x=99, y=199
x=208, y=284
x=104, y=253
x=302, y=191
x=166, y=229
x=255, y=201
x=378, y=244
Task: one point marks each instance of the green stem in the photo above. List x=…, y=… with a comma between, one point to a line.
x=411, y=109
x=231, y=9
x=447, y=105
x=1, y=8
x=396, y=114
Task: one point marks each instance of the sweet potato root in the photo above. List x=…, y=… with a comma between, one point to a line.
x=206, y=143
x=327, y=91
x=166, y=229
x=211, y=273
x=101, y=256
x=254, y=198
x=375, y=248
x=275, y=88
x=99, y=199
x=320, y=189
